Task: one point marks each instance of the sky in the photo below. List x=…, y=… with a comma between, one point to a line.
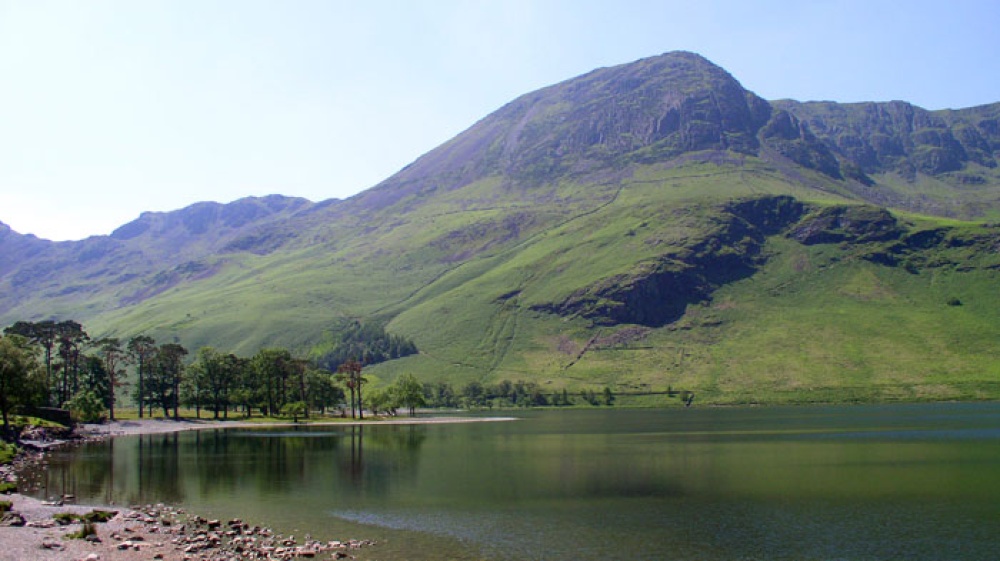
x=109, y=108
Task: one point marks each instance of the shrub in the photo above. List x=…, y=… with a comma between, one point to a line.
x=66, y=518
x=7, y=453
x=87, y=529
x=294, y=410
x=86, y=407
x=99, y=515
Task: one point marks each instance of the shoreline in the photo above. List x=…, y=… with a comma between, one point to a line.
x=160, y=425
x=159, y=532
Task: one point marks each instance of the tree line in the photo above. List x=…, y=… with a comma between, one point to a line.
x=57, y=364
x=505, y=394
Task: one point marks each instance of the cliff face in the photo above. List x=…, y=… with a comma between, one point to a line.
x=897, y=137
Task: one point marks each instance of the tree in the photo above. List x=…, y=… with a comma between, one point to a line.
x=71, y=337
x=609, y=397
x=323, y=392
x=474, y=394
x=410, y=393
x=175, y=354
x=298, y=368
x=350, y=373
x=86, y=406
x=248, y=391
x=141, y=349
x=41, y=333
x=166, y=373
x=383, y=399
x=440, y=395
x=94, y=379
x=351, y=339
x=294, y=409
x=214, y=374
x=18, y=366
x=114, y=357
x=195, y=382
x=273, y=367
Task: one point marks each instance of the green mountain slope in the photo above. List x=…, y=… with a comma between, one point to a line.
x=644, y=227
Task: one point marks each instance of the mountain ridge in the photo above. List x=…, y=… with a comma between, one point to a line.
x=624, y=205
x=783, y=119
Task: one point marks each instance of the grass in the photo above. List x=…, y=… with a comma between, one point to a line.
x=7, y=453
x=467, y=275
x=816, y=324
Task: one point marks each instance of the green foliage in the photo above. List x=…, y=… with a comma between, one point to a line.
x=366, y=342
x=87, y=407
x=87, y=529
x=88, y=519
x=65, y=518
x=5, y=506
x=581, y=241
x=99, y=515
x=7, y=452
x=409, y=393
x=212, y=380
x=440, y=395
x=21, y=384
x=635, y=280
x=294, y=409
x=383, y=400
x=166, y=371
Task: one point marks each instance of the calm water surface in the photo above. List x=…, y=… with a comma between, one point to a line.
x=844, y=483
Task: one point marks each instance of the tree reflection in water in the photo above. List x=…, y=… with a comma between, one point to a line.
x=176, y=467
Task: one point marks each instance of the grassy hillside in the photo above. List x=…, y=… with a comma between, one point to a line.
x=816, y=323
x=644, y=227
x=489, y=287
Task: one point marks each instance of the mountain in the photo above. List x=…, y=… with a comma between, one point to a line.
x=648, y=226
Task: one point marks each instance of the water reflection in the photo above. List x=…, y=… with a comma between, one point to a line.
x=173, y=467
x=853, y=483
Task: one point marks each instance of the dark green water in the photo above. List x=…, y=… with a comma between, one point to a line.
x=831, y=483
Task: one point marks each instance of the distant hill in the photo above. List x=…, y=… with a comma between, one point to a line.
x=646, y=227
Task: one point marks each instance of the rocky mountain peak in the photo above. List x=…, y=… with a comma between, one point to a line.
x=651, y=109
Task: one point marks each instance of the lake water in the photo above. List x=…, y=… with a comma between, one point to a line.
x=798, y=483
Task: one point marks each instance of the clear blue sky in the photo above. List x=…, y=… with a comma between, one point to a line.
x=110, y=108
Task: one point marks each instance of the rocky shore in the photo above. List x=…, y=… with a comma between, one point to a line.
x=57, y=529
x=32, y=529
x=43, y=531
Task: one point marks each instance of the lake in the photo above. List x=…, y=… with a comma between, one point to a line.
x=865, y=482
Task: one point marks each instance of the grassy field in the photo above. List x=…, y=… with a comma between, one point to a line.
x=471, y=276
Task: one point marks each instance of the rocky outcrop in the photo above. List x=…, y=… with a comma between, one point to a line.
x=793, y=139
x=897, y=137
x=657, y=293
x=854, y=224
